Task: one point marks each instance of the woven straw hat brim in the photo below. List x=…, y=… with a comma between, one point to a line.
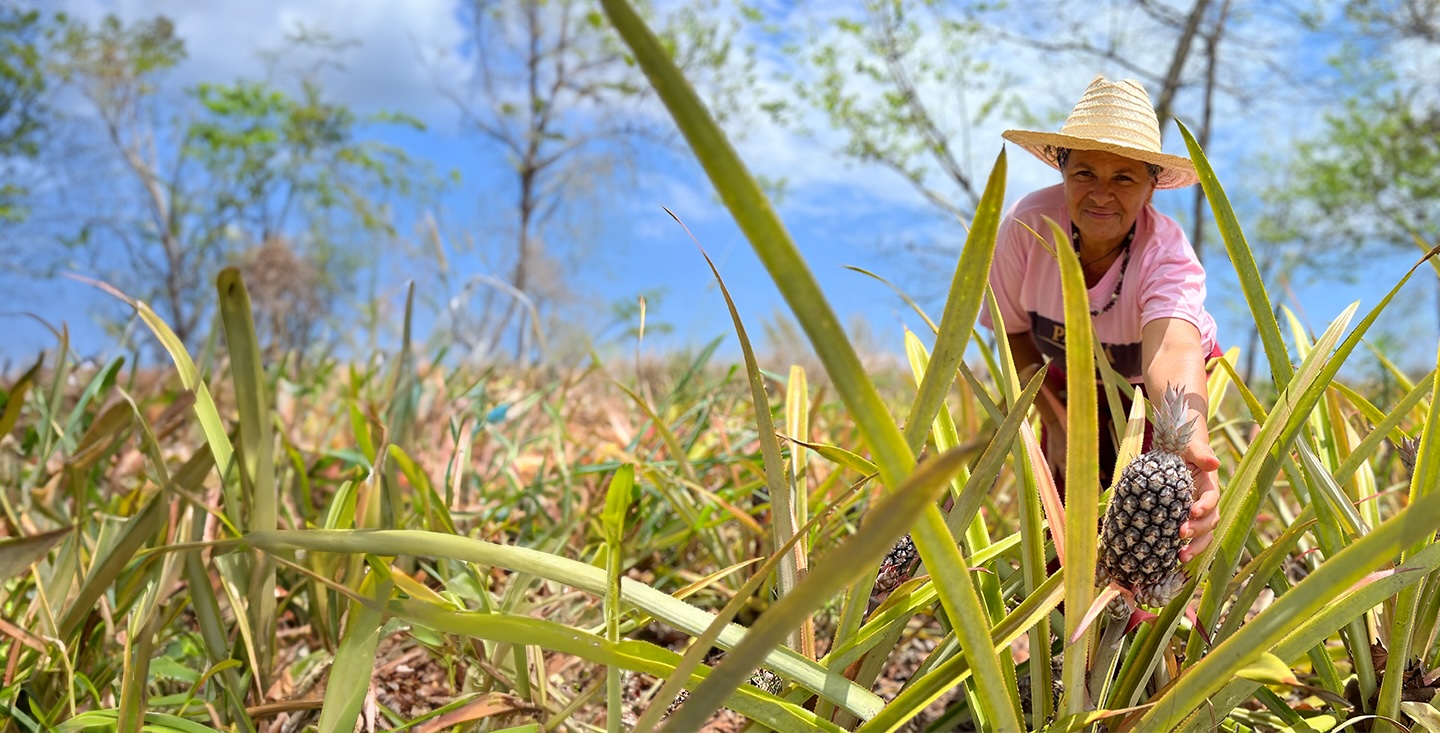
x=1176, y=171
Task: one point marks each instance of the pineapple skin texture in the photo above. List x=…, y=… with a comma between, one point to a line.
x=1140, y=535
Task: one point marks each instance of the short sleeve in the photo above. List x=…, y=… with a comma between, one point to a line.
x=1176, y=286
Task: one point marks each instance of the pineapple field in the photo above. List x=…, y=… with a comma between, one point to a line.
x=392, y=542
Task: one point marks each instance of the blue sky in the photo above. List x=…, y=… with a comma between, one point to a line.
x=840, y=213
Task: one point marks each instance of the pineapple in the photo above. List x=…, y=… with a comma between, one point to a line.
x=1140, y=536
x=897, y=567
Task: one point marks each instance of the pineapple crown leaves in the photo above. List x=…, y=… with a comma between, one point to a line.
x=1408, y=448
x=1172, y=432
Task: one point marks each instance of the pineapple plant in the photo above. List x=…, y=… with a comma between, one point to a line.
x=1140, y=534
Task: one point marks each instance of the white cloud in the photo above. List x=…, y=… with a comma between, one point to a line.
x=404, y=47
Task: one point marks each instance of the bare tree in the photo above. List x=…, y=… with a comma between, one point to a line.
x=1412, y=19
x=554, y=92
x=1156, y=42
x=887, y=76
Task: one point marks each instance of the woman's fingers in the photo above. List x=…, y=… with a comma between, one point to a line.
x=1196, y=547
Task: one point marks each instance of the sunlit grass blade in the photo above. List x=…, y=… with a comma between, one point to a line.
x=695, y=655
x=576, y=574
x=1220, y=380
x=1386, y=426
x=154, y=722
x=1339, y=609
x=355, y=659
x=962, y=305
x=436, y=511
x=400, y=415
x=54, y=398
x=633, y=655
x=797, y=422
x=257, y=442
x=923, y=691
x=1251, y=284
x=1082, y=490
x=782, y=513
x=1289, y=612
x=205, y=410
x=772, y=243
x=842, y=566
x=1325, y=488
x=1407, y=603
x=839, y=456
x=612, y=520
x=1031, y=511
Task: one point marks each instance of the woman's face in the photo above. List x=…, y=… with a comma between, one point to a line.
x=1104, y=193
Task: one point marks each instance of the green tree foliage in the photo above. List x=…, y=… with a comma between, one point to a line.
x=1367, y=181
x=1371, y=177
x=23, y=111
x=244, y=173
x=904, y=82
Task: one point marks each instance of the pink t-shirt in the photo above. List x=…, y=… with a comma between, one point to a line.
x=1163, y=280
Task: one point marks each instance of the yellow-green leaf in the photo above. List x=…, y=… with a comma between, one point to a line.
x=617, y=503
x=1317, y=724
x=1424, y=714
x=1267, y=669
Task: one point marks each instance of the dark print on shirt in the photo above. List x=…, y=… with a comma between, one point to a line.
x=1049, y=337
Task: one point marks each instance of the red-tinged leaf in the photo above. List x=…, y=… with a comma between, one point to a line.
x=1137, y=617
x=485, y=706
x=1049, y=495
x=22, y=636
x=1102, y=599
x=1195, y=624
x=1377, y=575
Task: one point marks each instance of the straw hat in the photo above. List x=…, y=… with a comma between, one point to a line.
x=1115, y=117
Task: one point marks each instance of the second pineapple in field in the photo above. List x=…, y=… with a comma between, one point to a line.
x=1140, y=536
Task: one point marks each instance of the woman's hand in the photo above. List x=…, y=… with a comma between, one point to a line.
x=1204, y=514
x=1173, y=356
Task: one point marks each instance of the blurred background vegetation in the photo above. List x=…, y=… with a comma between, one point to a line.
x=366, y=441
x=506, y=197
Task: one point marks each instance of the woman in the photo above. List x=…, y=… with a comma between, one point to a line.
x=1146, y=287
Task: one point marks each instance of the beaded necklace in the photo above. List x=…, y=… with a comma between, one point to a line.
x=1124, y=264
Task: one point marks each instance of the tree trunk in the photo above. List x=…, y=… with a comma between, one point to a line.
x=1212, y=44
x=1177, y=63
